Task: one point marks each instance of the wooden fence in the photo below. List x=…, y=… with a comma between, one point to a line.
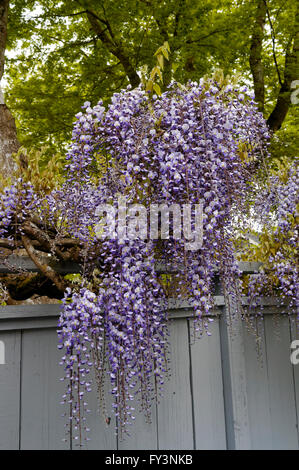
x=219, y=395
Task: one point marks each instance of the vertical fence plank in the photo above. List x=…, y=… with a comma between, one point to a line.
x=235, y=384
x=10, y=391
x=295, y=336
x=42, y=426
x=102, y=435
x=281, y=384
x=175, y=417
x=208, y=390
x=143, y=435
x=257, y=390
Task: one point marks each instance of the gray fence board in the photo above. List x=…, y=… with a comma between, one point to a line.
x=28, y=324
x=218, y=394
x=235, y=384
x=42, y=426
x=257, y=390
x=143, y=434
x=102, y=435
x=10, y=391
x=15, y=263
x=281, y=386
x=295, y=336
x=208, y=390
x=175, y=417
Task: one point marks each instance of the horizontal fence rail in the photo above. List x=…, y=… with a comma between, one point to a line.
x=13, y=264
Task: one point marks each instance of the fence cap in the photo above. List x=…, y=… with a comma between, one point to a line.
x=15, y=264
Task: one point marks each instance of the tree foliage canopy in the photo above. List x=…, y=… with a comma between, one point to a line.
x=68, y=51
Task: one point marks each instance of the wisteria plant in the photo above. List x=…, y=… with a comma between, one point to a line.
x=197, y=143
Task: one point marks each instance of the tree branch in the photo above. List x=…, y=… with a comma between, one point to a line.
x=27, y=285
x=65, y=15
x=216, y=31
x=255, y=57
x=114, y=48
x=177, y=18
x=4, y=4
x=45, y=269
x=13, y=244
x=273, y=42
x=291, y=67
x=45, y=241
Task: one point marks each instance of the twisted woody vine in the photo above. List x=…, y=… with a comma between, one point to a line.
x=203, y=142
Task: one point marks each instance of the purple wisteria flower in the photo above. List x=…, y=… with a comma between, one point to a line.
x=183, y=148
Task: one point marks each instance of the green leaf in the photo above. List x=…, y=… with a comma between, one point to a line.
x=149, y=85
x=157, y=89
x=165, y=53
x=166, y=46
x=160, y=59
x=156, y=71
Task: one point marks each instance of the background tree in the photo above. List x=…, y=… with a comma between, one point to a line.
x=283, y=24
x=8, y=137
x=64, y=53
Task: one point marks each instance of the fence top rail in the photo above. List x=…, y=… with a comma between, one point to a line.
x=14, y=264
x=176, y=309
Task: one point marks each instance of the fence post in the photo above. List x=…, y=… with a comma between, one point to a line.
x=234, y=384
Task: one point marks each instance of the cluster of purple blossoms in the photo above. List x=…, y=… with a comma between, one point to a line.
x=121, y=332
x=81, y=337
x=16, y=202
x=183, y=147
x=180, y=148
x=278, y=208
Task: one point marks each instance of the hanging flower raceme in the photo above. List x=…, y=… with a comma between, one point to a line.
x=16, y=202
x=81, y=335
x=277, y=207
x=183, y=149
x=125, y=323
x=152, y=182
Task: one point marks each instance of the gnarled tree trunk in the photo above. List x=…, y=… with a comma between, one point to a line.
x=8, y=134
x=255, y=58
x=290, y=71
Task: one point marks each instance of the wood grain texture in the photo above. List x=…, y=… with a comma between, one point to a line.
x=175, y=417
x=258, y=392
x=281, y=384
x=208, y=390
x=235, y=384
